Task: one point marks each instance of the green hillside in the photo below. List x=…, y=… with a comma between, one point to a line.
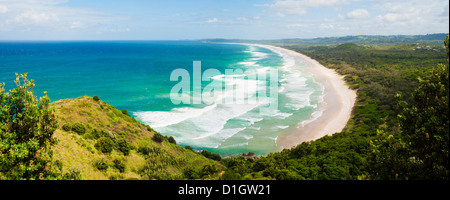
x=104, y=143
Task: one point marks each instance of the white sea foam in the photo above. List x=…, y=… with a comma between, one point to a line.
x=211, y=126
x=247, y=137
x=251, y=120
x=314, y=116
x=157, y=119
x=248, y=63
x=234, y=145
x=256, y=128
x=281, y=127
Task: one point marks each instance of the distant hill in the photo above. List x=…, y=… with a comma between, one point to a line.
x=429, y=39
x=104, y=143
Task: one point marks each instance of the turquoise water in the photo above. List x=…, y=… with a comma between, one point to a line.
x=135, y=75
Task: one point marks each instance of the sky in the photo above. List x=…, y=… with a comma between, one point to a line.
x=231, y=19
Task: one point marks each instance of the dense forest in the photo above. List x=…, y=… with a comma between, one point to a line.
x=399, y=127
x=379, y=40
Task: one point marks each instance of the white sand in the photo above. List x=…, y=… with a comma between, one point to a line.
x=339, y=101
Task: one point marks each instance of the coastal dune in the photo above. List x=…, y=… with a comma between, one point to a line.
x=338, y=102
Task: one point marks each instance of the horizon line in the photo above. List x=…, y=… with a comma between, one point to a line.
x=91, y=40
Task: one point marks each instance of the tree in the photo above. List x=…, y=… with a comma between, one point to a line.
x=426, y=123
x=26, y=129
x=421, y=151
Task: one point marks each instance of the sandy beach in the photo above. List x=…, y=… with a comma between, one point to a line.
x=338, y=104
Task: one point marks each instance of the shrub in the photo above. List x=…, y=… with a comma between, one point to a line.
x=119, y=164
x=79, y=128
x=209, y=170
x=230, y=175
x=191, y=173
x=157, y=137
x=125, y=112
x=104, y=144
x=101, y=164
x=96, y=98
x=145, y=150
x=188, y=148
x=213, y=156
x=172, y=140
x=123, y=146
x=66, y=127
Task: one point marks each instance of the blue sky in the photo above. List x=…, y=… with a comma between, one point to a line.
x=198, y=19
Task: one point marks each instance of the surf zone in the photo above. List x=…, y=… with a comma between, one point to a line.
x=236, y=86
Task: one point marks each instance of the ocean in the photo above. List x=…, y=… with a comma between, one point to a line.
x=135, y=75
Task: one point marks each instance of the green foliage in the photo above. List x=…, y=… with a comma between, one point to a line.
x=145, y=150
x=420, y=150
x=67, y=127
x=213, y=156
x=373, y=145
x=119, y=164
x=125, y=112
x=191, y=173
x=157, y=137
x=96, y=98
x=172, y=140
x=124, y=146
x=104, y=144
x=425, y=122
x=79, y=128
x=26, y=129
x=101, y=164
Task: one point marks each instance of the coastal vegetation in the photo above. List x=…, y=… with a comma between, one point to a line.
x=86, y=138
x=399, y=128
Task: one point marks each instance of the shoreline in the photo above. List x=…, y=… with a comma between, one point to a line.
x=338, y=103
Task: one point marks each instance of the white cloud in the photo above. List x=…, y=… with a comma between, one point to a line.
x=243, y=19
x=50, y=16
x=326, y=26
x=300, y=7
x=296, y=25
x=358, y=14
x=32, y=17
x=77, y=25
x=213, y=20
x=413, y=12
x=3, y=9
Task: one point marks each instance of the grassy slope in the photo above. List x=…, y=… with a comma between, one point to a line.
x=78, y=151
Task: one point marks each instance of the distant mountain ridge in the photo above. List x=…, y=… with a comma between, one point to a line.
x=428, y=39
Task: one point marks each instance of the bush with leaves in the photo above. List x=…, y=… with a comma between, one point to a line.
x=104, y=144
x=157, y=137
x=101, y=164
x=119, y=164
x=79, y=128
x=124, y=146
x=26, y=134
x=172, y=140
x=213, y=156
